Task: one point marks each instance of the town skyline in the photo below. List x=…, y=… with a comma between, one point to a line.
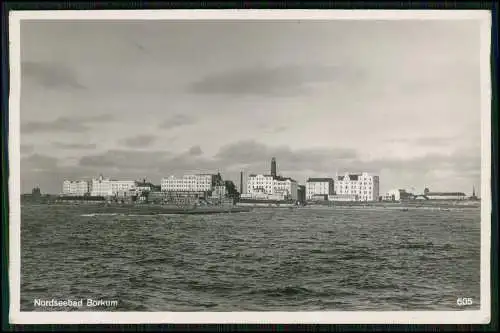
x=246, y=175
x=397, y=99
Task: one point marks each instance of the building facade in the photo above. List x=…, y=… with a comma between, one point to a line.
x=446, y=196
x=100, y=187
x=316, y=187
x=122, y=188
x=219, y=191
x=271, y=187
x=343, y=197
x=363, y=185
x=191, y=183
x=106, y=187
x=75, y=187
x=397, y=195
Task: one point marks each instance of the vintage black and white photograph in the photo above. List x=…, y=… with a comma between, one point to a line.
x=224, y=164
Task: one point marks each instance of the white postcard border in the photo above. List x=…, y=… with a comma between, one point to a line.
x=16, y=316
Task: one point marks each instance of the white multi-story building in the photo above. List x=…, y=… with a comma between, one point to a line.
x=100, y=187
x=392, y=195
x=397, y=195
x=122, y=187
x=192, y=183
x=75, y=187
x=271, y=187
x=363, y=185
x=319, y=187
x=109, y=187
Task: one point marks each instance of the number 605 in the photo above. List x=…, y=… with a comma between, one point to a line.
x=464, y=301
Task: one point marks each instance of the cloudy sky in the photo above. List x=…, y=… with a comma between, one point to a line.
x=134, y=99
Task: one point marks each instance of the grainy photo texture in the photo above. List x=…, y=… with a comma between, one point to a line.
x=251, y=165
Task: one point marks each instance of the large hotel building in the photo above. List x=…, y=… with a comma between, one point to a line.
x=76, y=187
x=271, y=187
x=98, y=187
x=191, y=183
x=356, y=187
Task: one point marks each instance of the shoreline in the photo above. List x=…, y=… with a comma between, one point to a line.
x=194, y=210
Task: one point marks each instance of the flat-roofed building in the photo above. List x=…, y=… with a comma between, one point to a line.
x=444, y=195
x=75, y=187
x=397, y=195
x=122, y=188
x=316, y=187
x=189, y=183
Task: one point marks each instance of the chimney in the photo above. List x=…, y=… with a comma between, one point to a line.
x=241, y=182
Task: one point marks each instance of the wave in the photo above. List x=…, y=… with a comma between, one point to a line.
x=424, y=245
x=118, y=214
x=281, y=291
x=100, y=214
x=295, y=291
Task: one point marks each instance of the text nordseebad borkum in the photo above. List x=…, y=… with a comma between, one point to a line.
x=74, y=303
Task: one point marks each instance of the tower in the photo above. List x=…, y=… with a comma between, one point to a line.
x=273, y=167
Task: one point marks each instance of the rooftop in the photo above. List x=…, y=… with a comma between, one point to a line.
x=445, y=194
x=139, y=183
x=281, y=178
x=312, y=180
x=284, y=178
x=356, y=176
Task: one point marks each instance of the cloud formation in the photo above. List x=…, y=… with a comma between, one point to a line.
x=38, y=162
x=177, y=121
x=74, y=146
x=255, y=156
x=195, y=151
x=285, y=80
x=64, y=124
x=50, y=75
x=26, y=149
x=339, y=84
x=426, y=141
x=247, y=152
x=139, y=141
x=126, y=160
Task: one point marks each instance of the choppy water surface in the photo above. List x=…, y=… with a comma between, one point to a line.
x=268, y=259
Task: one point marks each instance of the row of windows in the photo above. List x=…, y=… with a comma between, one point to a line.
x=356, y=181
x=191, y=177
x=186, y=181
x=184, y=184
x=342, y=187
x=355, y=191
